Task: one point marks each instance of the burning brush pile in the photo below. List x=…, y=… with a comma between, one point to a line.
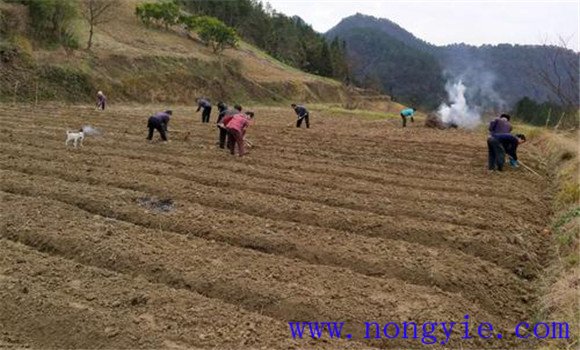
x=456, y=114
x=433, y=121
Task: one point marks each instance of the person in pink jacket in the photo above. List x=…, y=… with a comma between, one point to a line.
x=236, y=126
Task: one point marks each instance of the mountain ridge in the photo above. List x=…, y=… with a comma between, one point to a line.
x=504, y=73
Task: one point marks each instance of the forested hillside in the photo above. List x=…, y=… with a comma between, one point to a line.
x=288, y=39
x=496, y=76
x=382, y=62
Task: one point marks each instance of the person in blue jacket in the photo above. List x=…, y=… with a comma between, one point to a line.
x=407, y=113
x=500, y=144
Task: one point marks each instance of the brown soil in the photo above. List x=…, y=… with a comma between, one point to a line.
x=351, y=221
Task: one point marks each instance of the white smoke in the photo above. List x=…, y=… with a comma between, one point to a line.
x=89, y=130
x=458, y=112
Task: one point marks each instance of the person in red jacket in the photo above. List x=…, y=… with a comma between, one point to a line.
x=236, y=126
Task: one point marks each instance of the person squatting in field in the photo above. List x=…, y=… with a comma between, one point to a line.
x=223, y=112
x=500, y=144
x=101, y=101
x=302, y=114
x=206, y=105
x=236, y=126
x=407, y=113
x=500, y=125
x=159, y=122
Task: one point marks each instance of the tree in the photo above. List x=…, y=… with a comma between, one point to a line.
x=288, y=39
x=163, y=13
x=324, y=61
x=97, y=12
x=213, y=32
x=51, y=20
x=559, y=73
x=339, y=60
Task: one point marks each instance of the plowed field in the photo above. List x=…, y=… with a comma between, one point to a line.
x=353, y=220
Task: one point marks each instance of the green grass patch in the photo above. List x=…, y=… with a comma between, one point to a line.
x=566, y=218
x=263, y=55
x=343, y=112
x=569, y=193
x=567, y=235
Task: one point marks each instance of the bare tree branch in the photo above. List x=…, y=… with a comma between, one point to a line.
x=559, y=73
x=97, y=12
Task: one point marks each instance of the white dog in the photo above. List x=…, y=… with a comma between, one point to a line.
x=76, y=137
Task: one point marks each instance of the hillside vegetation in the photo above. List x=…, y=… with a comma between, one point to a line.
x=132, y=62
x=383, y=63
x=496, y=76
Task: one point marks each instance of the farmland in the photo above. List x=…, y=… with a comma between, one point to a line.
x=353, y=220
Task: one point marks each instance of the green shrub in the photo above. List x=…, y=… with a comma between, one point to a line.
x=212, y=32
x=546, y=114
x=162, y=13
x=51, y=21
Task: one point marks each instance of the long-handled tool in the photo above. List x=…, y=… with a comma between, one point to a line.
x=299, y=119
x=528, y=168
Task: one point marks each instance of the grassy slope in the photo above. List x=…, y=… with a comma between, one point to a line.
x=132, y=62
x=559, y=287
x=128, y=37
x=562, y=278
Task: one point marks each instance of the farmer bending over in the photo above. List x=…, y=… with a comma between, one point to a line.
x=206, y=105
x=101, y=101
x=407, y=113
x=159, y=122
x=236, y=126
x=223, y=112
x=500, y=144
x=302, y=114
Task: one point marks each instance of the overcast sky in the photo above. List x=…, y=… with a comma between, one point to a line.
x=453, y=21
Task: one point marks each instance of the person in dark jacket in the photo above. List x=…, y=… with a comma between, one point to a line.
x=500, y=125
x=500, y=144
x=223, y=112
x=302, y=114
x=206, y=105
x=159, y=122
